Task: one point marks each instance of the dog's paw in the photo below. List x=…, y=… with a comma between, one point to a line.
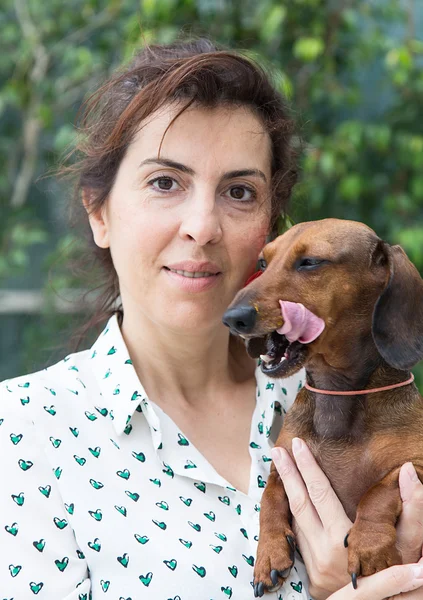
x=275, y=558
x=371, y=548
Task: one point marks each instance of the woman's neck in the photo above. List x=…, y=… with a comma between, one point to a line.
x=186, y=367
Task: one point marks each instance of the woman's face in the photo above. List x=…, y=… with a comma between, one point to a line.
x=185, y=229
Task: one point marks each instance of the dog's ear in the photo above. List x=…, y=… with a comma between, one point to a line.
x=398, y=314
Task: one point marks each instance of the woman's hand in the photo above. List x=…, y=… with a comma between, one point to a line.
x=320, y=522
x=410, y=524
x=395, y=582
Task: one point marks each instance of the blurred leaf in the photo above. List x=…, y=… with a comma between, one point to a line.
x=350, y=187
x=308, y=49
x=271, y=23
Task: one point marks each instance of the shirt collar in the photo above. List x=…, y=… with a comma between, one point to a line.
x=123, y=392
x=120, y=387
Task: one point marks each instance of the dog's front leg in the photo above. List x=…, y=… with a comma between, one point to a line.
x=372, y=539
x=276, y=547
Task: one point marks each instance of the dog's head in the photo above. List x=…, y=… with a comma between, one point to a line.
x=363, y=290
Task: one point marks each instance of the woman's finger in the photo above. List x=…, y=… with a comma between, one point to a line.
x=387, y=583
x=410, y=525
x=321, y=493
x=299, y=502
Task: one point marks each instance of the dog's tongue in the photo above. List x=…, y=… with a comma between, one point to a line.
x=299, y=323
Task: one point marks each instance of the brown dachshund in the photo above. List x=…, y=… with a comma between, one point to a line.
x=362, y=302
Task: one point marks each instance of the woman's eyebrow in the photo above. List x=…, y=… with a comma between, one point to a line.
x=167, y=162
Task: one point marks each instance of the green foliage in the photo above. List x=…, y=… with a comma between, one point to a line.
x=352, y=71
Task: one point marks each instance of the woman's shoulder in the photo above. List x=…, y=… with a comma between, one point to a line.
x=28, y=394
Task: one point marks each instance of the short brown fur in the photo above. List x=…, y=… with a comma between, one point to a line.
x=371, y=299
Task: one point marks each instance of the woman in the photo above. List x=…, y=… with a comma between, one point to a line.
x=136, y=468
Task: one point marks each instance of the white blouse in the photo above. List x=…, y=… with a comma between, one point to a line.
x=102, y=495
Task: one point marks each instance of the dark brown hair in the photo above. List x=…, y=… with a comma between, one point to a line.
x=193, y=72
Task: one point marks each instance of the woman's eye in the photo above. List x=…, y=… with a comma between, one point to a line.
x=163, y=184
x=242, y=193
x=262, y=264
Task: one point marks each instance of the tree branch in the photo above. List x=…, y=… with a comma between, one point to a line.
x=32, y=122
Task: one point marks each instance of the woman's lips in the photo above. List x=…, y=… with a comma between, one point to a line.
x=192, y=266
x=190, y=283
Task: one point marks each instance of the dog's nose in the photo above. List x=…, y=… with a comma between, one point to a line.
x=240, y=318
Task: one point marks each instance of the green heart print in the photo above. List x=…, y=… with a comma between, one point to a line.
x=14, y=571
x=146, y=579
x=142, y=539
x=297, y=586
x=182, y=440
x=97, y=514
x=233, y=570
x=200, y=486
x=12, y=529
x=45, y=490
x=133, y=495
x=171, y=564
x=36, y=587
x=62, y=564
x=123, y=560
x=139, y=456
x=19, y=499
x=125, y=474
x=96, y=545
x=90, y=416
x=121, y=509
x=40, y=545
x=97, y=485
x=249, y=560
x=186, y=501
x=60, y=523
x=201, y=571
x=25, y=465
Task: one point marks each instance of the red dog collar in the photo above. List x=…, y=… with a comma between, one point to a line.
x=252, y=277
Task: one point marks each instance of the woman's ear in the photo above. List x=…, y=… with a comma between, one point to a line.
x=98, y=220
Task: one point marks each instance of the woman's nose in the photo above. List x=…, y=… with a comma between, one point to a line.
x=201, y=223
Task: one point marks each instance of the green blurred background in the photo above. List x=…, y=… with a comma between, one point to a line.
x=351, y=69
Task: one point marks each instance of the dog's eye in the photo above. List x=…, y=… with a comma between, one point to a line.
x=262, y=264
x=307, y=264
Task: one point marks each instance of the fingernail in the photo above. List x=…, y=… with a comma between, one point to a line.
x=411, y=471
x=297, y=445
x=276, y=456
x=418, y=572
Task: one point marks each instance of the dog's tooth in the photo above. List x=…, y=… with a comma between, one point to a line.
x=265, y=358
